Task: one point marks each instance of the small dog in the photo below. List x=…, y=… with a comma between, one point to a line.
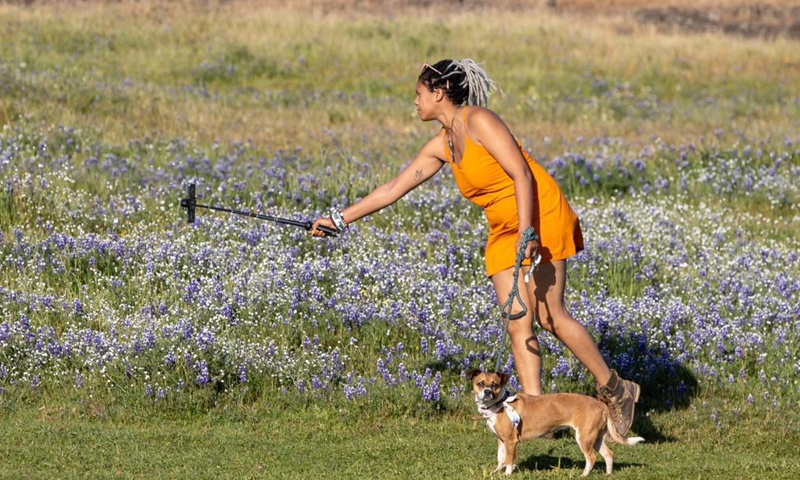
x=513, y=418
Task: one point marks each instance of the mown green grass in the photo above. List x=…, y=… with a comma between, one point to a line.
x=282, y=440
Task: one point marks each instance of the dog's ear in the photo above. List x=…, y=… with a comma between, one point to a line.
x=472, y=373
x=504, y=378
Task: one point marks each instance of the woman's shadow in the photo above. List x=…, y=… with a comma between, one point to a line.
x=666, y=384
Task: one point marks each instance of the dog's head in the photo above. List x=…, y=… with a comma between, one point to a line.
x=488, y=387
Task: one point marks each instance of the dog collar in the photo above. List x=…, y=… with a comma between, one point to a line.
x=504, y=403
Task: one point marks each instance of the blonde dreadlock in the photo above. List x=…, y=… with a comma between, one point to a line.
x=464, y=81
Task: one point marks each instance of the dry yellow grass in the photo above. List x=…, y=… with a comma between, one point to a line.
x=395, y=7
x=533, y=56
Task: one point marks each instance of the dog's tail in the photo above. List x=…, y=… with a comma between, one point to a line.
x=615, y=435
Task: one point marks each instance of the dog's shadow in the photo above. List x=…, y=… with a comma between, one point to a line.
x=549, y=461
x=554, y=461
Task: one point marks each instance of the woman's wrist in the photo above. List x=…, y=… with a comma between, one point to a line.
x=529, y=233
x=338, y=220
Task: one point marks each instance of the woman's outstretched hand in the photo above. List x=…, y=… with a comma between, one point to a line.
x=322, y=221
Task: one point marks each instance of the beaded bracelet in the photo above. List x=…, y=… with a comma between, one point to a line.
x=338, y=220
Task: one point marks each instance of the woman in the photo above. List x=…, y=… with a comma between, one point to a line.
x=493, y=171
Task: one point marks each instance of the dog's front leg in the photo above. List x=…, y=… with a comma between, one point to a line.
x=511, y=454
x=501, y=455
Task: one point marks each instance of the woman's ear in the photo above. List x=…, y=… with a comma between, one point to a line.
x=438, y=95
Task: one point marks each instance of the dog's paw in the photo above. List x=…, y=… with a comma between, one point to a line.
x=508, y=469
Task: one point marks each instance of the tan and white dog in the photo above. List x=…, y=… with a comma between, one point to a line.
x=518, y=417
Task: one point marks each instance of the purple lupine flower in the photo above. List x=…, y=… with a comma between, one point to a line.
x=228, y=312
x=402, y=373
x=715, y=418
x=201, y=369
x=187, y=329
x=441, y=349
x=192, y=290
x=383, y=371
x=431, y=391
x=205, y=339
x=357, y=390
x=170, y=359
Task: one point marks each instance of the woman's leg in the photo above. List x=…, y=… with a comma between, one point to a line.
x=524, y=344
x=547, y=290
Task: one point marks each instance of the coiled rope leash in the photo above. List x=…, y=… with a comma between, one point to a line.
x=528, y=235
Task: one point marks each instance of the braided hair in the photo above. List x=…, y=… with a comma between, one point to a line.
x=463, y=81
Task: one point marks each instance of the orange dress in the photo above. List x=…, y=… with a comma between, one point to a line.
x=484, y=182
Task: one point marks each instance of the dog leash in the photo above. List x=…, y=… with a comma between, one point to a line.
x=528, y=235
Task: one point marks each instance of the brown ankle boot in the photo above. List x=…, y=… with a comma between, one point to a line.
x=620, y=396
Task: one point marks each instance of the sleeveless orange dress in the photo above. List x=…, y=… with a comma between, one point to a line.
x=484, y=182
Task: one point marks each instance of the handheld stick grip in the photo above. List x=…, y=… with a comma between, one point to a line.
x=329, y=232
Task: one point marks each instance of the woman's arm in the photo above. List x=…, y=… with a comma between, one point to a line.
x=424, y=166
x=489, y=130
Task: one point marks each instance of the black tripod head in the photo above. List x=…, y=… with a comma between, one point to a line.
x=190, y=203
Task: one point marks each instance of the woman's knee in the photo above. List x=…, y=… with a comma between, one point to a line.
x=520, y=328
x=551, y=317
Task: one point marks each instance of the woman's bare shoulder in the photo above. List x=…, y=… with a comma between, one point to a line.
x=481, y=119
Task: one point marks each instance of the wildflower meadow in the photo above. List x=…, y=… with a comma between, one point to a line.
x=110, y=300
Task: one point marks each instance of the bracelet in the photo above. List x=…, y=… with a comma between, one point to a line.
x=338, y=220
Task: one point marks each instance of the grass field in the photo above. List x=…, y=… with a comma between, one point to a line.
x=322, y=443
x=133, y=345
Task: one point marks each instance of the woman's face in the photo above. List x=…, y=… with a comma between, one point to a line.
x=425, y=102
